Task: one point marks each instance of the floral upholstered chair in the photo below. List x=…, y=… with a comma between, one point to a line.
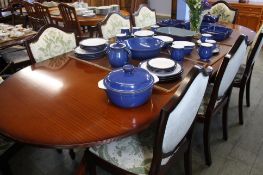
x=227, y=14
x=51, y=41
x=144, y=17
x=112, y=25
x=153, y=150
x=218, y=94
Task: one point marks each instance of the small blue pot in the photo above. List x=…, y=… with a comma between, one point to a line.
x=128, y=87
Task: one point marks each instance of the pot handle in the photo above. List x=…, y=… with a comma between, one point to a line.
x=101, y=85
x=156, y=79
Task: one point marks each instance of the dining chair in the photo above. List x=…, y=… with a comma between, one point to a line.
x=218, y=94
x=70, y=20
x=226, y=13
x=49, y=42
x=15, y=58
x=144, y=17
x=32, y=19
x=43, y=13
x=9, y=11
x=112, y=25
x=155, y=149
x=243, y=77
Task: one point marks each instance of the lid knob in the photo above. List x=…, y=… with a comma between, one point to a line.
x=128, y=69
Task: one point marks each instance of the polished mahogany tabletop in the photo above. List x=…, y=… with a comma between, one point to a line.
x=57, y=103
x=84, y=21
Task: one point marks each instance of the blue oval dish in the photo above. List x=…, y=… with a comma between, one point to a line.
x=144, y=48
x=219, y=33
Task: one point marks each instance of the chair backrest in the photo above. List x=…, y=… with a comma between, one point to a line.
x=50, y=41
x=112, y=25
x=177, y=117
x=256, y=47
x=227, y=72
x=30, y=9
x=4, y=4
x=70, y=19
x=43, y=13
x=144, y=17
x=227, y=13
x=135, y=4
x=231, y=64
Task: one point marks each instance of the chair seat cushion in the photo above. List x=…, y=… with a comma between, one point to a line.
x=5, y=144
x=15, y=55
x=240, y=73
x=133, y=153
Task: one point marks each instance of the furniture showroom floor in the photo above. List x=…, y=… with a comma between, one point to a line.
x=242, y=154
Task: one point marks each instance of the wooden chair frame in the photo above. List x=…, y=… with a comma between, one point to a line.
x=244, y=82
x=231, y=8
x=136, y=13
x=70, y=18
x=43, y=13
x=36, y=38
x=214, y=105
x=182, y=149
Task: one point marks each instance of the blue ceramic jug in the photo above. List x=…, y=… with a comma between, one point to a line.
x=118, y=55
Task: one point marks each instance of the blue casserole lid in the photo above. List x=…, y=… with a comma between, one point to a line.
x=129, y=79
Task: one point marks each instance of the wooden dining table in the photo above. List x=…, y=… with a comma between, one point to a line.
x=83, y=21
x=57, y=103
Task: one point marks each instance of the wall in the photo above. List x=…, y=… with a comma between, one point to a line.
x=162, y=7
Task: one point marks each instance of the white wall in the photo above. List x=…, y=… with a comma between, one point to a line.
x=162, y=7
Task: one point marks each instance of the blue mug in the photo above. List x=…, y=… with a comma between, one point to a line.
x=121, y=37
x=206, y=36
x=205, y=51
x=154, y=28
x=177, y=52
x=135, y=29
x=213, y=42
x=126, y=30
x=118, y=55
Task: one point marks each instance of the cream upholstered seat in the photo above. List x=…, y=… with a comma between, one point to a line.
x=227, y=14
x=142, y=153
x=50, y=42
x=112, y=25
x=144, y=17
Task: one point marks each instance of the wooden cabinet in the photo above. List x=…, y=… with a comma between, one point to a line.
x=249, y=15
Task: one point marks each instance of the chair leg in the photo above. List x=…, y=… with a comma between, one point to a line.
x=82, y=168
x=206, y=140
x=248, y=91
x=224, y=120
x=240, y=104
x=72, y=154
x=59, y=151
x=92, y=166
x=188, y=161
